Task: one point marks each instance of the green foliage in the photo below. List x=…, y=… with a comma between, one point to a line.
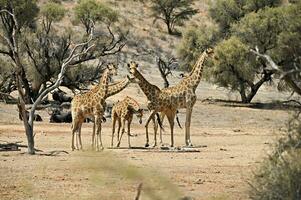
x=172, y=12
x=25, y=10
x=226, y=12
x=88, y=10
x=273, y=28
x=279, y=175
x=53, y=11
x=256, y=5
x=294, y=1
x=260, y=29
x=196, y=40
x=288, y=49
x=232, y=68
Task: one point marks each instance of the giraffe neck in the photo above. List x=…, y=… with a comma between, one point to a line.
x=103, y=84
x=196, y=74
x=148, y=89
x=117, y=87
x=133, y=104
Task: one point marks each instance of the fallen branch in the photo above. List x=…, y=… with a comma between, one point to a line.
x=139, y=189
x=53, y=153
x=14, y=146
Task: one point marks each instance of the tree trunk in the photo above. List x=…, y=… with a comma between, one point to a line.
x=169, y=29
x=242, y=92
x=30, y=138
x=22, y=110
x=27, y=94
x=255, y=88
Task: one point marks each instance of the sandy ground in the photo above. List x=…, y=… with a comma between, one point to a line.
x=232, y=140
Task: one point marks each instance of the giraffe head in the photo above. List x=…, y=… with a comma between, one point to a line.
x=132, y=67
x=112, y=69
x=206, y=54
x=139, y=115
x=209, y=52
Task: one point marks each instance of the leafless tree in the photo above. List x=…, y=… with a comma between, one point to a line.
x=165, y=68
x=15, y=55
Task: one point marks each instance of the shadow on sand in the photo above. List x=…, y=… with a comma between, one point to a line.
x=277, y=105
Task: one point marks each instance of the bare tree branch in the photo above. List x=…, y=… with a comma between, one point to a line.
x=285, y=75
x=59, y=80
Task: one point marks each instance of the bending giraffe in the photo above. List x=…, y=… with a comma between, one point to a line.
x=91, y=104
x=123, y=111
x=169, y=100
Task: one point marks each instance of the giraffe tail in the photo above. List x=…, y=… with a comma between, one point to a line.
x=159, y=121
x=178, y=121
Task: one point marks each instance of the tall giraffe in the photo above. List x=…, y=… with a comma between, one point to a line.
x=169, y=100
x=152, y=93
x=112, y=89
x=91, y=104
x=123, y=111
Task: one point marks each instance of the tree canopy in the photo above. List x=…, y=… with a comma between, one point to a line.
x=243, y=25
x=88, y=10
x=172, y=12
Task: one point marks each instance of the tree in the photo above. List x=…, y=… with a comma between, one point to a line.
x=35, y=44
x=13, y=46
x=88, y=10
x=235, y=68
x=51, y=12
x=45, y=44
x=172, y=12
x=244, y=25
x=227, y=12
x=25, y=13
x=195, y=41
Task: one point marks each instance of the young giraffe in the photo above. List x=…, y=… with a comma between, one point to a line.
x=124, y=111
x=91, y=104
x=169, y=100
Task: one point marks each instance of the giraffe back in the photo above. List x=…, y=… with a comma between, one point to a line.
x=127, y=108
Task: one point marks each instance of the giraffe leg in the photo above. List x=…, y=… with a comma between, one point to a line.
x=162, y=118
x=187, y=126
x=76, y=141
x=146, y=127
x=113, y=129
x=119, y=127
x=98, y=132
x=122, y=131
x=171, y=119
x=79, y=136
x=93, y=136
x=155, y=131
x=129, y=133
x=74, y=129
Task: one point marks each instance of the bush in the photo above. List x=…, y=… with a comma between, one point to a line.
x=279, y=176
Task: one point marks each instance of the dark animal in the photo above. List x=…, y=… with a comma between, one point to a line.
x=60, y=117
x=36, y=117
x=65, y=117
x=61, y=97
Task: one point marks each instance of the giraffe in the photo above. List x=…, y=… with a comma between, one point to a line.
x=124, y=111
x=91, y=104
x=169, y=100
x=152, y=93
x=113, y=89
